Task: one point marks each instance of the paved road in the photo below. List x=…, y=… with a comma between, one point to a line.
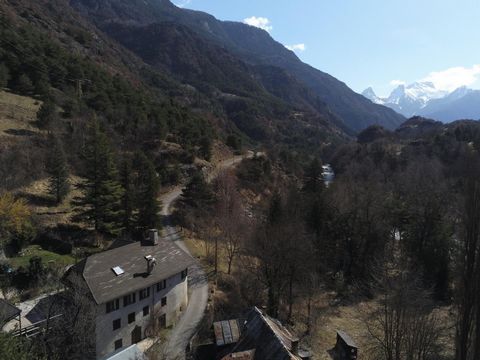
x=197, y=279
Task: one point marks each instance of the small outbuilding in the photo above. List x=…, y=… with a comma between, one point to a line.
x=345, y=348
x=8, y=312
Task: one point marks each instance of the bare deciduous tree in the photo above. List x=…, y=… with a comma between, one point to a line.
x=467, y=297
x=233, y=225
x=402, y=323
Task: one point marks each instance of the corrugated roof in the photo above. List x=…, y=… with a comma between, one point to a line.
x=226, y=332
x=105, y=286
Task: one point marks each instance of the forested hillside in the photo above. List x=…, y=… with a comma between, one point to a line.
x=251, y=45
x=293, y=193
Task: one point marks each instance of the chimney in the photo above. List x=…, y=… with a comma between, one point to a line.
x=295, y=343
x=152, y=236
x=151, y=262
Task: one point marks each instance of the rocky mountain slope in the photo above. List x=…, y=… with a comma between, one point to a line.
x=187, y=84
x=251, y=45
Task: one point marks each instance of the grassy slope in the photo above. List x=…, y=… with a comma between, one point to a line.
x=48, y=257
x=17, y=114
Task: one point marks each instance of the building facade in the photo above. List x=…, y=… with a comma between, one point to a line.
x=135, y=289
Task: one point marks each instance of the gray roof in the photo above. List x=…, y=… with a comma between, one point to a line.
x=270, y=339
x=348, y=340
x=7, y=312
x=105, y=286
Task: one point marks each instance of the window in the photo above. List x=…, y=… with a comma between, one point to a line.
x=161, y=285
x=131, y=318
x=118, y=344
x=164, y=301
x=146, y=311
x=144, y=293
x=116, y=324
x=184, y=273
x=129, y=299
x=113, y=305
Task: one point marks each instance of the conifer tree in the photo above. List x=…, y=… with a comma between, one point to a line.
x=24, y=85
x=275, y=212
x=47, y=114
x=147, y=196
x=4, y=75
x=100, y=204
x=57, y=169
x=313, y=180
x=128, y=198
x=197, y=193
x=206, y=148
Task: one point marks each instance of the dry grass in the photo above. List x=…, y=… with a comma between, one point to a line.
x=17, y=114
x=351, y=319
x=329, y=319
x=47, y=212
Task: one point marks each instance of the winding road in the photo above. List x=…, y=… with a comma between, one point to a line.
x=185, y=329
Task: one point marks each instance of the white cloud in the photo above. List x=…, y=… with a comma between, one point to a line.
x=455, y=77
x=296, y=47
x=397, y=82
x=259, y=22
x=183, y=3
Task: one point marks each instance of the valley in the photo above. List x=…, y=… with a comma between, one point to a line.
x=176, y=186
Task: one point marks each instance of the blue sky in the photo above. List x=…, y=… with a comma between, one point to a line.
x=377, y=43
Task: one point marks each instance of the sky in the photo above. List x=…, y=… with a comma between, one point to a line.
x=377, y=43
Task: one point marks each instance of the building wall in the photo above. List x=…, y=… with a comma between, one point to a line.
x=176, y=292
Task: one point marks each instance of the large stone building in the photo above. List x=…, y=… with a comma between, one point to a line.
x=133, y=288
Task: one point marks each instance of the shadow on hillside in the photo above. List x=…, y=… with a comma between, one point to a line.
x=20, y=132
x=38, y=200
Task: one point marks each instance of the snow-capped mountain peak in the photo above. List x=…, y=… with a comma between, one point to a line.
x=408, y=99
x=424, y=92
x=369, y=93
x=424, y=99
x=459, y=93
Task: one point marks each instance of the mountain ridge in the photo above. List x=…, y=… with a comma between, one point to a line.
x=424, y=99
x=252, y=45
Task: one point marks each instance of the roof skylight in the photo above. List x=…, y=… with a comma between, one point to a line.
x=118, y=270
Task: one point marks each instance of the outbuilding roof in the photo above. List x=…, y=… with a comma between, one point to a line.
x=346, y=338
x=7, y=312
x=104, y=283
x=268, y=337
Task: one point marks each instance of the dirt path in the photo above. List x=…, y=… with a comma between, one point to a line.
x=197, y=279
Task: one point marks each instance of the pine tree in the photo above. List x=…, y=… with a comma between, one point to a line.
x=147, y=197
x=24, y=85
x=47, y=114
x=57, y=168
x=275, y=212
x=197, y=193
x=313, y=180
x=205, y=148
x=100, y=204
x=128, y=198
x=4, y=75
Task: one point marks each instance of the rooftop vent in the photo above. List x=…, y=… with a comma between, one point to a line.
x=151, y=262
x=118, y=270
